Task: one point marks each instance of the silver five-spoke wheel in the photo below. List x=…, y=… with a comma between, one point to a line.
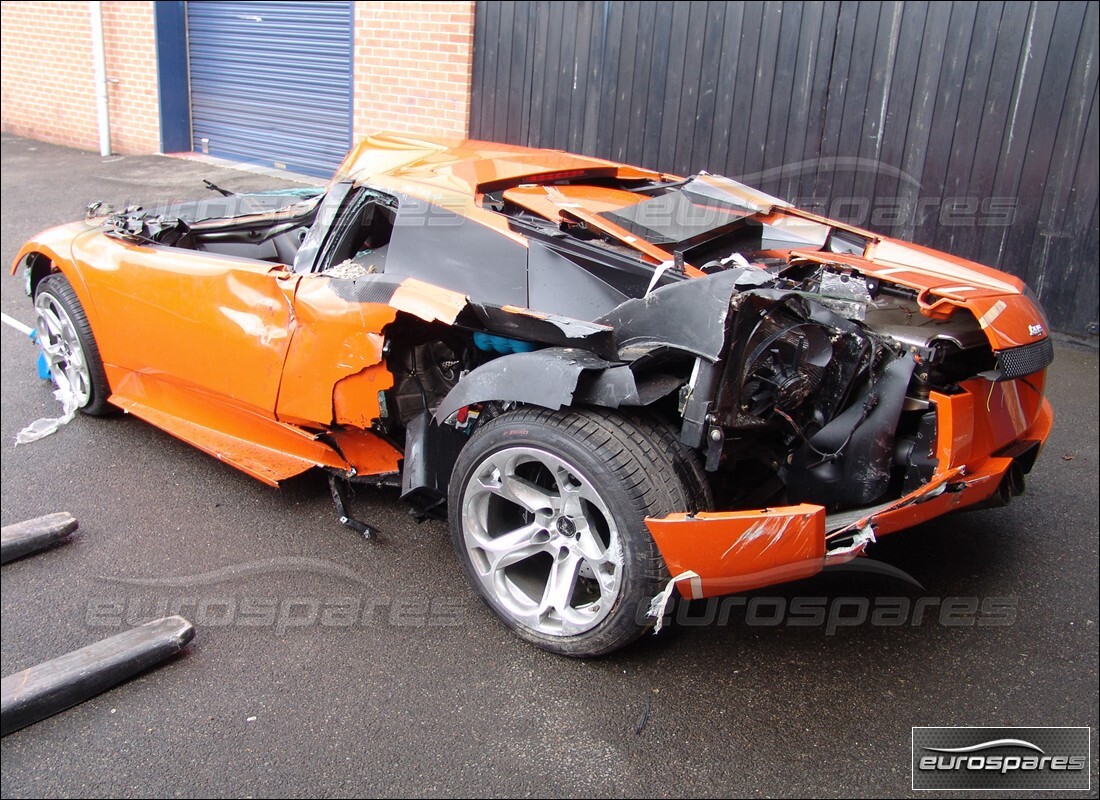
x=542, y=540
x=60, y=343
x=68, y=346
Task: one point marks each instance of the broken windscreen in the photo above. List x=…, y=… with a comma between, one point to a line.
x=703, y=207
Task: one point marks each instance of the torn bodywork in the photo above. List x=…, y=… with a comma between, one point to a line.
x=796, y=385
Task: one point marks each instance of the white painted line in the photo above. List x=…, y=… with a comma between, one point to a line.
x=19, y=326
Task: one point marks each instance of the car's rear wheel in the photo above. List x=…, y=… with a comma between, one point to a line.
x=68, y=345
x=547, y=513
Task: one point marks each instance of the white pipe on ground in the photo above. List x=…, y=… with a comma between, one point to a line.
x=99, y=63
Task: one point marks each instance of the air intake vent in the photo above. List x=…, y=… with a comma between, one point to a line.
x=1020, y=361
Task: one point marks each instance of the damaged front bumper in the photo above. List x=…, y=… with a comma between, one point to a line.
x=981, y=460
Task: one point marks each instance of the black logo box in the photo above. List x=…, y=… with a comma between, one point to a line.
x=1033, y=759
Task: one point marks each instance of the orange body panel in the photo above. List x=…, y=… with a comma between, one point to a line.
x=56, y=244
x=550, y=201
x=428, y=302
x=366, y=453
x=212, y=323
x=381, y=154
x=469, y=167
x=735, y=551
x=344, y=332
x=253, y=443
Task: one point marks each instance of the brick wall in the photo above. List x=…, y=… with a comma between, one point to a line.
x=129, y=40
x=46, y=73
x=413, y=63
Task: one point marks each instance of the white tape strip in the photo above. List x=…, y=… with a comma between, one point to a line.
x=659, y=604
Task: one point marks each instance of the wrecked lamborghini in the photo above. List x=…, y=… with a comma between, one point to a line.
x=614, y=383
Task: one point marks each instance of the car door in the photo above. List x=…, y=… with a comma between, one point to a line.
x=214, y=324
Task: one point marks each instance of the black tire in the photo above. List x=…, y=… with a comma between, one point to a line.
x=549, y=503
x=686, y=462
x=66, y=338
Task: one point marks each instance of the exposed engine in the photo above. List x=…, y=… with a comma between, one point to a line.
x=425, y=367
x=422, y=377
x=826, y=385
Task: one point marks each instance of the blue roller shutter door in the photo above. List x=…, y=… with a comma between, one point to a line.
x=271, y=83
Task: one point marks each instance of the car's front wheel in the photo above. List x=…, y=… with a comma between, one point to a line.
x=68, y=345
x=547, y=513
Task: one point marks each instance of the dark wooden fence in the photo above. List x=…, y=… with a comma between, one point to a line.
x=966, y=126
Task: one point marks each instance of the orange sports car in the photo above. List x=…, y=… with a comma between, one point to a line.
x=614, y=383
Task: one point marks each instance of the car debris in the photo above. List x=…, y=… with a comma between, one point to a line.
x=53, y=686
x=23, y=538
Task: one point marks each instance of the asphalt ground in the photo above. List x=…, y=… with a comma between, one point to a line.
x=325, y=665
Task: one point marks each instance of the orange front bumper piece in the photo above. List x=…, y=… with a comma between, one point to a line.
x=726, y=552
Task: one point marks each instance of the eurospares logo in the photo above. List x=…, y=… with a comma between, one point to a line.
x=1001, y=758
